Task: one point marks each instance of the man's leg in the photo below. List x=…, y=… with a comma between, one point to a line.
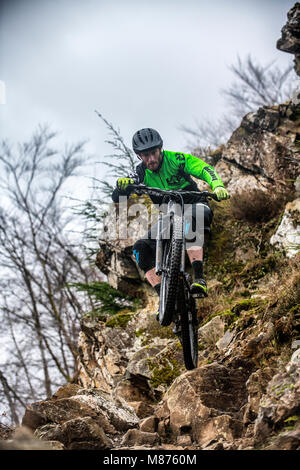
x=144, y=251
x=201, y=220
x=153, y=279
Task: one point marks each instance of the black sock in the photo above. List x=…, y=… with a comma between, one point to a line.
x=198, y=269
x=157, y=288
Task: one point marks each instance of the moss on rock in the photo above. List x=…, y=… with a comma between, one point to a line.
x=120, y=320
x=164, y=370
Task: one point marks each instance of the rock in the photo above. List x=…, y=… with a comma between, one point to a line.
x=287, y=235
x=103, y=354
x=184, y=440
x=225, y=340
x=221, y=427
x=162, y=411
x=162, y=427
x=66, y=391
x=214, y=446
x=296, y=97
x=261, y=150
x=139, y=365
x=56, y=445
x=33, y=418
x=297, y=182
x=149, y=424
x=141, y=409
x=295, y=344
x=281, y=401
x=23, y=439
x=135, y=437
x=256, y=387
x=61, y=410
x=50, y=432
x=198, y=397
x=85, y=430
x=90, y=413
x=212, y=331
x=135, y=390
x=290, y=35
x=114, y=410
x=287, y=441
x=295, y=359
x=244, y=444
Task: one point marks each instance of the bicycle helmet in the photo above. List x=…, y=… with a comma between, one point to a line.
x=146, y=139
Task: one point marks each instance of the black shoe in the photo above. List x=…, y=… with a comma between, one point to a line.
x=199, y=288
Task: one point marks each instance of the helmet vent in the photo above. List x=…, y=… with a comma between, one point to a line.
x=140, y=137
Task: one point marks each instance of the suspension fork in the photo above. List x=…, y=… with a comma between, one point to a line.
x=159, y=246
x=182, y=264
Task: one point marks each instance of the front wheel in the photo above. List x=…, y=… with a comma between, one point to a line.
x=170, y=271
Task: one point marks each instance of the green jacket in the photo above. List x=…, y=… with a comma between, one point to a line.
x=175, y=172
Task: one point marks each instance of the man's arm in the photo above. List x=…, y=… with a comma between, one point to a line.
x=196, y=167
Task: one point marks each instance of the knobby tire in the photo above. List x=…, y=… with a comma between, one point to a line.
x=171, y=266
x=189, y=326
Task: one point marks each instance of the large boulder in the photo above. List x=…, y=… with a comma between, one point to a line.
x=290, y=35
x=205, y=403
x=262, y=150
x=89, y=419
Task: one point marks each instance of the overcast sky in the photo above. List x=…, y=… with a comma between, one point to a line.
x=140, y=63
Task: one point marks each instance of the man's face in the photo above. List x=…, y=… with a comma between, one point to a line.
x=152, y=158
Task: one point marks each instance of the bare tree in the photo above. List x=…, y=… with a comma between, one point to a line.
x=123, y=156
x=40, y=312
x=255, y=86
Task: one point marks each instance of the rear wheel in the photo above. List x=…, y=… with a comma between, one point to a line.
x=170, y=272
x=189, y=325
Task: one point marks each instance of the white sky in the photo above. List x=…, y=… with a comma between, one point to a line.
x=139, y=63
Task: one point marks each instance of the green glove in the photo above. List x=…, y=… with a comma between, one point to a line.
x=221, y=193
x=122, y=183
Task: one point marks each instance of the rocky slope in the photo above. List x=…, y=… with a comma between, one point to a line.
x=132, y=389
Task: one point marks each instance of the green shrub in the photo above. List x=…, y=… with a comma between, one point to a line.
x=106, y=299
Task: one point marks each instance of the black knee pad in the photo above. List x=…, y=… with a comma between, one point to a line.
x=144, y=254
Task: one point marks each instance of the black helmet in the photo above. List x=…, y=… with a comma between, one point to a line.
x=146, y=139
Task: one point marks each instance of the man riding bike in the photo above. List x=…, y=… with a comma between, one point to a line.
x=171, y=171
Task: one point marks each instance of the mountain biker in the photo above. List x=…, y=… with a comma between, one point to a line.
x=170, y=170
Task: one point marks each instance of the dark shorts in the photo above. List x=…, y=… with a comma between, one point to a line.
x=198, y=219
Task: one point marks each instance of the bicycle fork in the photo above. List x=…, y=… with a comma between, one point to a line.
x=159, y=247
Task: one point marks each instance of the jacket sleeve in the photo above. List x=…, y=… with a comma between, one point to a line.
x=196, y=167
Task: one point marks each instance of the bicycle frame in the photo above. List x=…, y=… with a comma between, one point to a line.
x=171, y=211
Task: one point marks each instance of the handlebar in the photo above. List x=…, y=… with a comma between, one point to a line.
x=143, y=189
